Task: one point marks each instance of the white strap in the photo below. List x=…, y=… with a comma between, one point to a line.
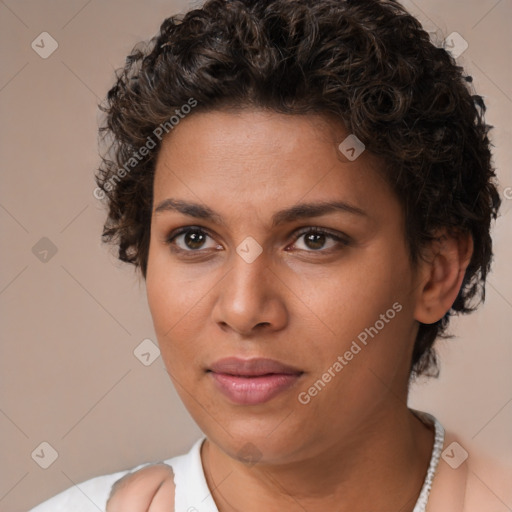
x=192, y=493
x=421, y=504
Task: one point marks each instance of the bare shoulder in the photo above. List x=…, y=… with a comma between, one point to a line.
x=150, y=489
x=469, y=480
x=488, y=484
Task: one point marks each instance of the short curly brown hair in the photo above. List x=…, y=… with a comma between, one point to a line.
x=367, y=62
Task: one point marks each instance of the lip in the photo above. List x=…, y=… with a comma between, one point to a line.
x=252, y=381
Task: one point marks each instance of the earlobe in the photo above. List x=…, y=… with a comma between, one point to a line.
x=442, y=272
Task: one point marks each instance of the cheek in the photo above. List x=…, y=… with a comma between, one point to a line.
x=167, y=299
x=365, y=314
x=352, y=299
x=178, y=301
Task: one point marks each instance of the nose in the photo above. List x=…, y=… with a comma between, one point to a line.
x=251, y=299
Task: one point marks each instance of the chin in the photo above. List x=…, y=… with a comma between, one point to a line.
x=257, y=440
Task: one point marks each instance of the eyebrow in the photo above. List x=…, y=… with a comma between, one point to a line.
x=297, y=212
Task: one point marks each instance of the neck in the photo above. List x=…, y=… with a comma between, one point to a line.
x=381, y=467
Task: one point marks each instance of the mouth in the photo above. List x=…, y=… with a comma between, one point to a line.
x=252, y=381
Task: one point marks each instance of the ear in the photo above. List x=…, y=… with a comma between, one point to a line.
x=441, y=272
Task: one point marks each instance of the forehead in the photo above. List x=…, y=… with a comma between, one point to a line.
x=259, y=159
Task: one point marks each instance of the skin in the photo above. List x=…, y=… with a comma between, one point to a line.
x=150, y=489
x=355, y=446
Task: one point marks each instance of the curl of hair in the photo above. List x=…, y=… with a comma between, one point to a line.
x=367, y=62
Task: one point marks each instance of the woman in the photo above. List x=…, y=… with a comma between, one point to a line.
x=307, y=190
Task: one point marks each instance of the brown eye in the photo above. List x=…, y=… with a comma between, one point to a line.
x=194, y=239
x=189, y=239
x=315, y=239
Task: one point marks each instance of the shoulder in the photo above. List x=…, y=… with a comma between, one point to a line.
x=488, y=485
x=152, y=486
x=467, y=481
x=88, y=496
x=92, y=495
x=152, y=482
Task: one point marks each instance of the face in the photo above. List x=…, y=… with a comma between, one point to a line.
x=282, y=325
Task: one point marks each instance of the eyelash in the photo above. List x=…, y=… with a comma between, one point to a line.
x=343, y=241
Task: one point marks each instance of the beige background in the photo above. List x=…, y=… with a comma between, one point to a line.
x=70, y=325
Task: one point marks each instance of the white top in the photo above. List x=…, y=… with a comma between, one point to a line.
x=192, y=492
